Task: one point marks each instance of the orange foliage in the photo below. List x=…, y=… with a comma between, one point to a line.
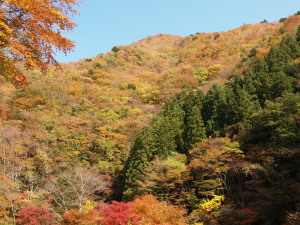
x=73, y=217
x=153, y=212
x=29, y=31
x=291, y=22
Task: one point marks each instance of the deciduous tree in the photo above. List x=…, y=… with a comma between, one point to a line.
x=31, y=30
x=35, y=215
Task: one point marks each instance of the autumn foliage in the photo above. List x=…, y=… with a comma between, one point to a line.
x=30, y=30
x=35, y=215
x=75, y=217
x=153, y=212
x=185, y=130
x=118, y=213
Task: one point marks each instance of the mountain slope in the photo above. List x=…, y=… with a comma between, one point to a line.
x=87, y=115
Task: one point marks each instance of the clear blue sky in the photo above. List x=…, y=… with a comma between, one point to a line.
x=103, y=24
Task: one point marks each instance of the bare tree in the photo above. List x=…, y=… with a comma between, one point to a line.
x=74, y=187
x=12, y=151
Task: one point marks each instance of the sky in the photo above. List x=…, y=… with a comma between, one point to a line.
x=103, y=24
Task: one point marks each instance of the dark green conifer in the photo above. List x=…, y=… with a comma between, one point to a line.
x=142, y=152
x=174, y=114
x=195, y=130
x=215, y=110
x=298, y=35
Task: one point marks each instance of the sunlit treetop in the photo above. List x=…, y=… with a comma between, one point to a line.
x=30, y=31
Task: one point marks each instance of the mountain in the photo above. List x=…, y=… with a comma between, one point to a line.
x=107, y=118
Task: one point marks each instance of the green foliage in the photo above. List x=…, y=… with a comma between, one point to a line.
x=49, y=126
x=115, y=49
x=151, y=97
x=277, y=122
x=298, y=35
x=264, y=21
x=131, y=86
x=202, y=73
x=297, y=13
x=215, y=110
x=91, y=72
x=98, y=65
x=282, y=19
x=122, y=112
x=240, y=103
x=142, y=152
x=108, y=114
x=195, y=130
x=252, y=53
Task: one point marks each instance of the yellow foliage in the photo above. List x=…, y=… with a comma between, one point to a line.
x=88, y=205
x=207, y=206
x=207, y=209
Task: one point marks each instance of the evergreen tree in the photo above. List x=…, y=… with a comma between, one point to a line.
x=277, y=59
x=164, y=135
x=195, y=130
x=142, y=152
x=240, y=104
x=277, y=122
x=215, y=110
x=290, y=46
x=262, y=66
x=298, y=35
x=174, y=113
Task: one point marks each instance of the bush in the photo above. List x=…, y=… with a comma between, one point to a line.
x=98, y=65
x=115, y=49
x=35, y=215
x=131, y=86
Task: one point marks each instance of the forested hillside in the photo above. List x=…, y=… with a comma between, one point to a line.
x=203, y=129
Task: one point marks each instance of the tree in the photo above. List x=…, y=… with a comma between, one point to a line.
x=195, y=130
x=35, y=215
x=142, y=152
x=152, y=212
x=30, y=31
x=74, y=187
x=163, y=176
x=213, y=166
x=298, y=34
x=215, y=110
x=278, y=122
x=241, y=104
x=74, y=217
x=118, y=213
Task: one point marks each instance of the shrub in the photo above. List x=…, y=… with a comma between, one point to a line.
x=115, y=49
x=35, y=215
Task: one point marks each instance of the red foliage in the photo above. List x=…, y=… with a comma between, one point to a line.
x=117, y=213
x=248, y=216
x=35, y=215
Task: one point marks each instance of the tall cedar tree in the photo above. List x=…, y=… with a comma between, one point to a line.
x=142, y=152
x=195, y=130
x=172, y=109
x=298, y=35
x=215, y=110
x=30, y=31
